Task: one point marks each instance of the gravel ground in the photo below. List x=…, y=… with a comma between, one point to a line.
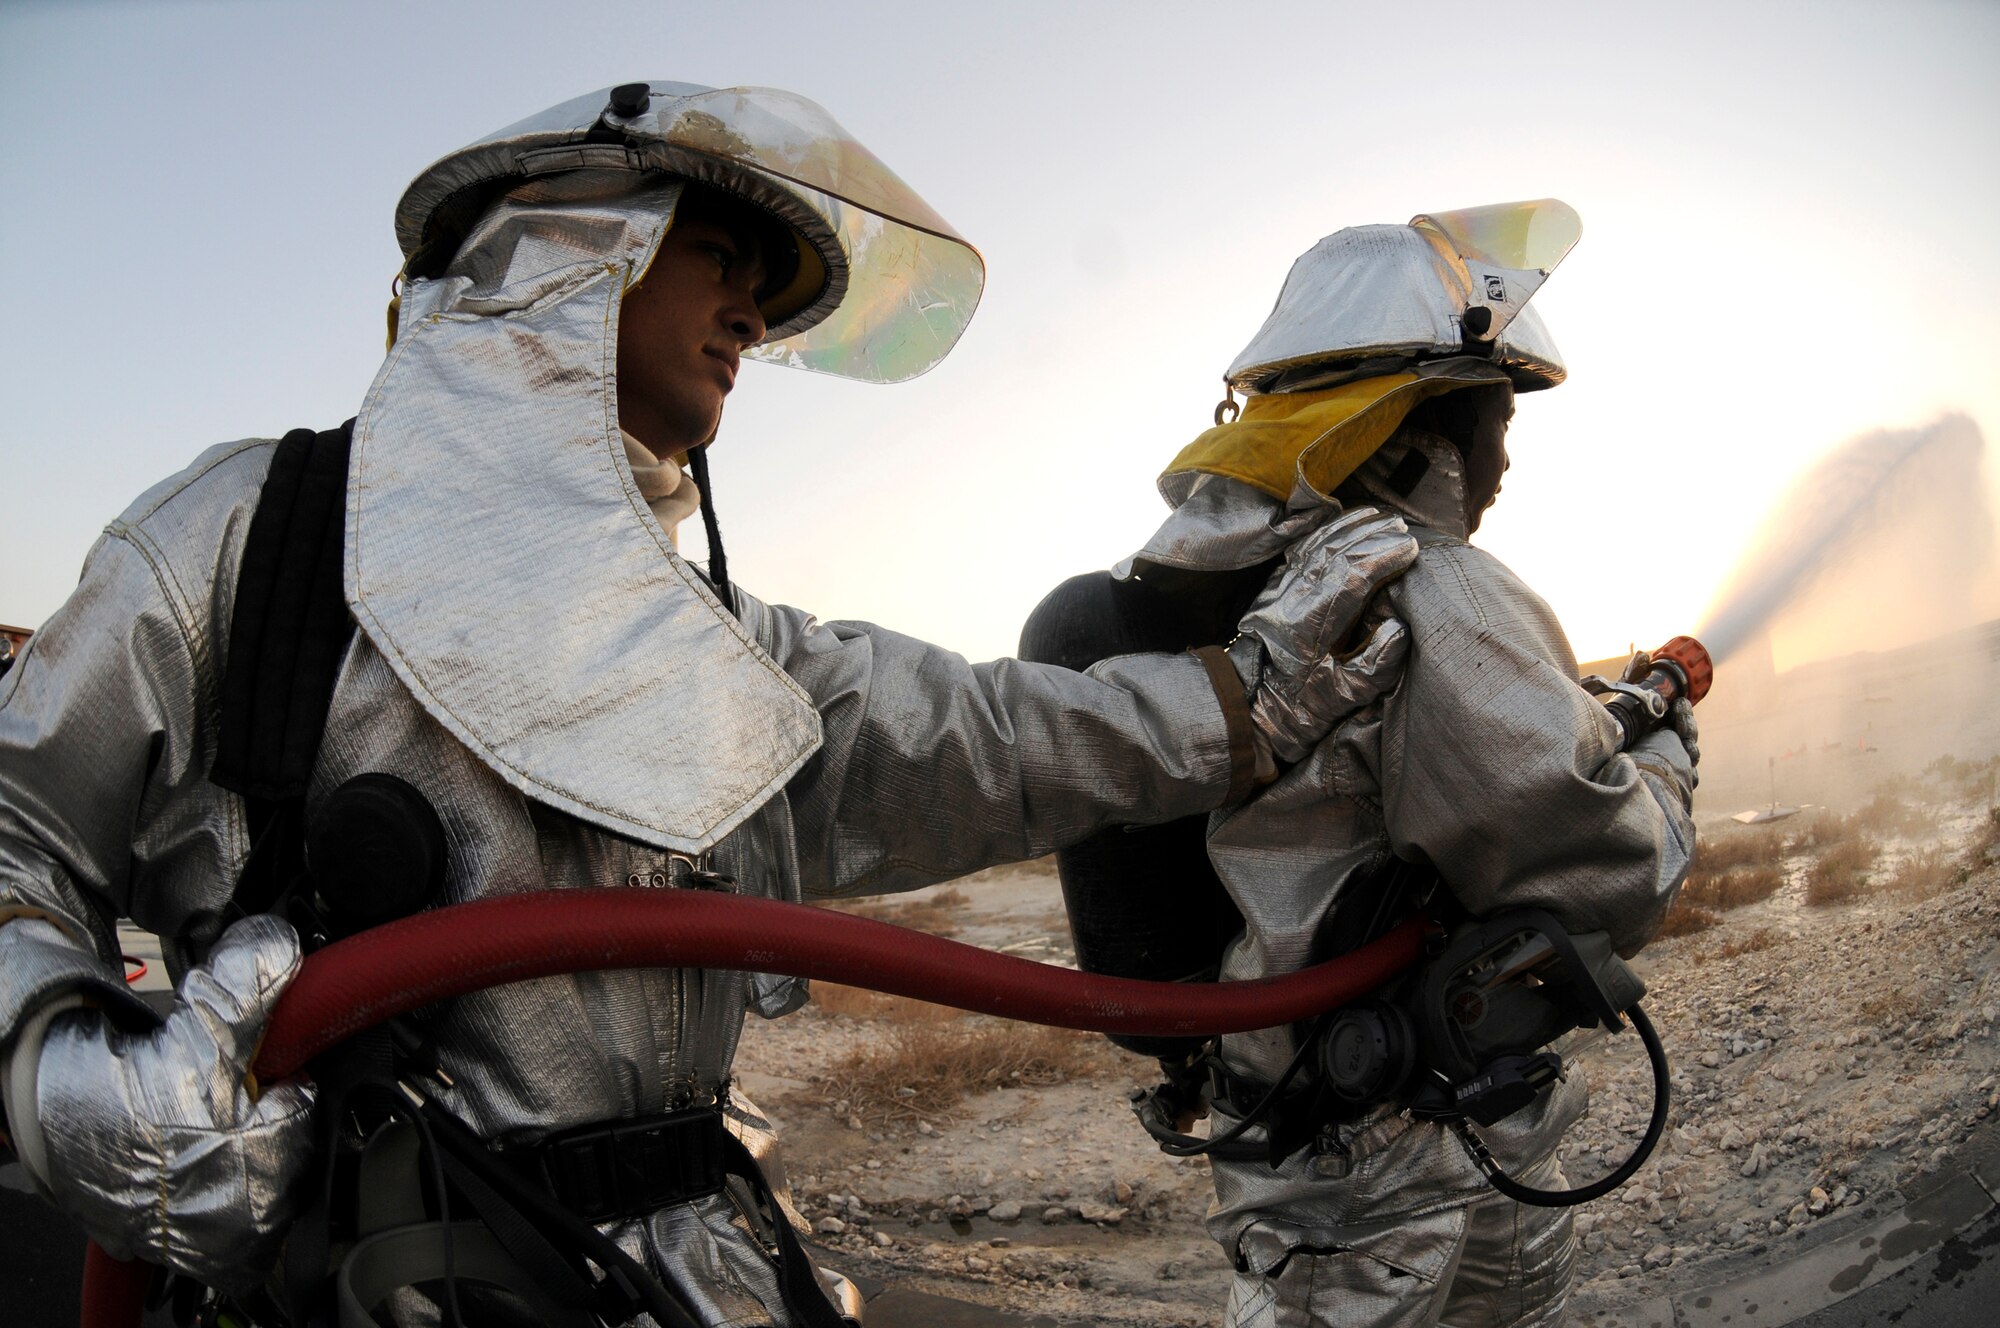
x=1817, y=1082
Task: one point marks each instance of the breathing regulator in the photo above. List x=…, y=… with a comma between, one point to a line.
x=1475, y=1034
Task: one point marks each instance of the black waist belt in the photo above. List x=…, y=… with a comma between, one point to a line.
x=624, y=1170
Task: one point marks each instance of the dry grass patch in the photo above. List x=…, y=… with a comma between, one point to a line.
x=921, y=1071
x=1925, y=874
x=1887, y=813
x=1728, y=849
x=1966, y=779
x=1750, y=943
x=1686, y=917
x=1820, y=829
x=1734, y=888
x=937, y=914
x=1984, y=845
x=1841, y=873
x=1891, y=1009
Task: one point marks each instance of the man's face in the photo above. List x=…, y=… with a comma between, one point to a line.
x=682, y=331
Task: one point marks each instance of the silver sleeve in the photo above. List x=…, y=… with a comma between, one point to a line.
x=933, y=766
x=97, y=740
x=1506, y=776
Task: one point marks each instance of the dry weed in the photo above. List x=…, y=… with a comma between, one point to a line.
x=1686, y=918
x=1732, y=889
x=921, y=1071
x=1729, y=849
x=1891, y=1009
x=1841, y=873
x=1984, y=844
x=1761, y=939
x=1927, y=873
x=1820, y=829
x=1888, y=814
x=1966, y=779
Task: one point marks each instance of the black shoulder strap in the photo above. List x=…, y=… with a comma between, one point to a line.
x=287, y=636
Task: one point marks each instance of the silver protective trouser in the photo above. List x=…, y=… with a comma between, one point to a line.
x=1486, y=760
x=928, y=767
x=1491, y=1263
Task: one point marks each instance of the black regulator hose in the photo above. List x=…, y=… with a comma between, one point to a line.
x=1656, y=1054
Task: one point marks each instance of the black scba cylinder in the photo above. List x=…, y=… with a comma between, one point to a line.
x=1143, y=901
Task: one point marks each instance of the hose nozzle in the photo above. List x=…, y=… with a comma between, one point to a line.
x=1680, y=668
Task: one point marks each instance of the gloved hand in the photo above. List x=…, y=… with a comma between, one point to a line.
x=1680, y=719
x=1316, y=646
x=159, y=1143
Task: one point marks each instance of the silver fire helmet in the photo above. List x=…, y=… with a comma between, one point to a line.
x=884, y=285
x=1446, y=284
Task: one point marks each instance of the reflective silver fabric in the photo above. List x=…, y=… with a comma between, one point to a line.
x=1307, y=623
x=1376, y=292
x=155, y=1142
x=895, y=284
x=1487, y=759
x=928, y=767
x=1412, y=1244
x=489, y=476
x=39, y=962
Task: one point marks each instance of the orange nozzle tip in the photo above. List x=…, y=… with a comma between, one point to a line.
x=1692, y=656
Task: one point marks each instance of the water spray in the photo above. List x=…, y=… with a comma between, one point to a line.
x=1833, y=510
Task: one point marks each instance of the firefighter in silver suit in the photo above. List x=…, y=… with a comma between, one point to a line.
x=578, y=291
x=1383, y=381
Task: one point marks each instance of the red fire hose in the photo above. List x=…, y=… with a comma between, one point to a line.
x=359, y=982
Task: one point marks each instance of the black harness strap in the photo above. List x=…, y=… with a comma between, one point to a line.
x=798, y=1283
x=287, y=636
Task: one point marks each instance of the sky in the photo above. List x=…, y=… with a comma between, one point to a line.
x=1786, y=207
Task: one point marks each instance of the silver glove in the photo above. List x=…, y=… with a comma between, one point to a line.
x=1680, y=715
x=159, y=1142
x=1680, y=718
x=1324, y=649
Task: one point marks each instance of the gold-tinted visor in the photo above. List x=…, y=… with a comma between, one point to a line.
x=912, y=281
x=1504, y=251
x=895, y=285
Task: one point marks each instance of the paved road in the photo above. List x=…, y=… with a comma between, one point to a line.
x=1956, y=1287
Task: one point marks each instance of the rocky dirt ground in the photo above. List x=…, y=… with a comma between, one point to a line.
x=1826, y=1059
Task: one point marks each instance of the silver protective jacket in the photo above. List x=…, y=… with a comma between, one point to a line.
x=537, y=660
x=1487, y=760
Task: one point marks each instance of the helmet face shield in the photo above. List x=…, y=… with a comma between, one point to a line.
x=896, y=285
x=1503, y=252
x=909, y=294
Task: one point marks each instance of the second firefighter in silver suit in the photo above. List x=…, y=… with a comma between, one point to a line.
x=1472, y=750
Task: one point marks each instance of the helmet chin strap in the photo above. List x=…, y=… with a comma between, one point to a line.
x=718, y=561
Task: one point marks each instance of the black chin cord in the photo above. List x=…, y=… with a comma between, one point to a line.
x=718, y=561
x=1662, y=1097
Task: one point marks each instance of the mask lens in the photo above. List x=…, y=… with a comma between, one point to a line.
x=1523, y=237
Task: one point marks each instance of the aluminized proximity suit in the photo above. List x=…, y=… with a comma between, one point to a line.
x=929, y=767
x=573, y=699
x=1488, y=761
